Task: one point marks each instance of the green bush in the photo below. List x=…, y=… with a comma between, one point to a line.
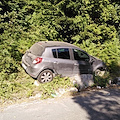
x=102, y=81
x=90, y=24
x=47, y=89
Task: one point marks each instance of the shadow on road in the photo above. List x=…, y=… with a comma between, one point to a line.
x=101, y=105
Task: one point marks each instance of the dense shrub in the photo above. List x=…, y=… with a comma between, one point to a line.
x=91, y=24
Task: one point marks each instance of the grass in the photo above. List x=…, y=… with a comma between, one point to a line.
x=23, y=87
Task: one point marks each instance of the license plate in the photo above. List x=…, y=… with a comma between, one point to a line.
x=24, y=66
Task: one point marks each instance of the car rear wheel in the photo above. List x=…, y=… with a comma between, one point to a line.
x=45, y=76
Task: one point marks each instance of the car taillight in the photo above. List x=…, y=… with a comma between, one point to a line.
x=37, y=60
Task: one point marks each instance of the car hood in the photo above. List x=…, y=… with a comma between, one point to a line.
x=92, y=58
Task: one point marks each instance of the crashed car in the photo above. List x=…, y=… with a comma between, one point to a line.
x=44, y=60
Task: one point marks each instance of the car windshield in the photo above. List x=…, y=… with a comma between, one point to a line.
x=37, y=49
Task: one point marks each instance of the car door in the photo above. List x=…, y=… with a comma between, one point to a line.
x=62, y=62
x=81, y=62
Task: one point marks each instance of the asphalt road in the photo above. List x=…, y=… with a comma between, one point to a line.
x=99, y=105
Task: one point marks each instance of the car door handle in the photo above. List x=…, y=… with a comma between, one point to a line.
x=56, y=62
x=76, y=64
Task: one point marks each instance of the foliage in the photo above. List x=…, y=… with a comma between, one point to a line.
x=52, y=87
x=23, y=87
x=90, y=24
x=102, y=80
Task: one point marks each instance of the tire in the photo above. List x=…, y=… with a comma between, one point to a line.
x=45, y=76
x=99, y=72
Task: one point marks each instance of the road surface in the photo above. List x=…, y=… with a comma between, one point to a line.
x=96, y=105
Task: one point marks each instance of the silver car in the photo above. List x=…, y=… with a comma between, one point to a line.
x=44, y=60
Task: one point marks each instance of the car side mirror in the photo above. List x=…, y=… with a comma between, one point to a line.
x=92, y=61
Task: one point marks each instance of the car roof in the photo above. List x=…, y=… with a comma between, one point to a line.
x=56, y=44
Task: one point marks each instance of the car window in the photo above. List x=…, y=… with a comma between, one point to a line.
x=63, y=53
x=80, y=55
x=36, y=49
x=54, y=53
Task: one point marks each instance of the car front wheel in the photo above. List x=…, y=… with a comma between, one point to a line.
x=99, y=72
x=45, y=76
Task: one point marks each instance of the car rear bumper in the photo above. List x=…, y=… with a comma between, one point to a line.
x=32, y=71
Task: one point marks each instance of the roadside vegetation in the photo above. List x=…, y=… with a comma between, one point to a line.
x=93, y=25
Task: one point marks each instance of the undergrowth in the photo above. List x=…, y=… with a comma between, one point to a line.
x=102, y=81
x=91, y=25
x=23, y=87
x=47, y=89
